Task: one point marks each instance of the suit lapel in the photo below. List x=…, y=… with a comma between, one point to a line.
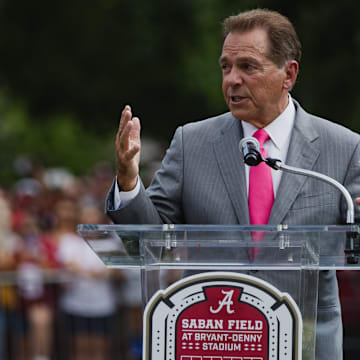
x=303, y=153
x=232, y=167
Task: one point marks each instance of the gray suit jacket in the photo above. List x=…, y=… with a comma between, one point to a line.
x=202, y=181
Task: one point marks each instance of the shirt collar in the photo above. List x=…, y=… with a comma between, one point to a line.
x=279, y=130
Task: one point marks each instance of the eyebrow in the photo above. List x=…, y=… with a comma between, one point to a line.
x=249, y=59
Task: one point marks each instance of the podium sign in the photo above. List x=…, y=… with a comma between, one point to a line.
x=205, y=298
x=222, y=315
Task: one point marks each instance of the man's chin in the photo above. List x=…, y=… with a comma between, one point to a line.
x=239, y=114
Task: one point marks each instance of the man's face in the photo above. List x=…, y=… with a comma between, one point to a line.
x=252, y=84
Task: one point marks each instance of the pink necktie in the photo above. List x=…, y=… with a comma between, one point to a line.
x=261, y=192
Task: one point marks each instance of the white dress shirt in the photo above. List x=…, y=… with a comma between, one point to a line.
x=277, y=146
x=279, y=131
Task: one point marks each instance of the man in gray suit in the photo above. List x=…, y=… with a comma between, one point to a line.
x=203, y=179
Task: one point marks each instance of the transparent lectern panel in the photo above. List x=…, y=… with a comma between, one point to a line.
x=340, y=248
x=116, y=248
x=121, y=245
x=286, y=260
x=279, y=258
x=232, y=249
x=286, y=257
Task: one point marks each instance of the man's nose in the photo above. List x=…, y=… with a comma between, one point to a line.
x=235, y=77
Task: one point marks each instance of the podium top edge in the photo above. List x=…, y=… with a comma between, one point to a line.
x=214, y=228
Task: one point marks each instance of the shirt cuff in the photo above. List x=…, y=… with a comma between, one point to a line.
x=122, y=198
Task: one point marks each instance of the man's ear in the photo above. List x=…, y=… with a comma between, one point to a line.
x=291, y=69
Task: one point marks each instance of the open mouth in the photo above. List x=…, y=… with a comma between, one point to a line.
x=237, y=99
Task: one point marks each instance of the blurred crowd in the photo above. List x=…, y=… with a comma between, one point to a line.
x=57, y=299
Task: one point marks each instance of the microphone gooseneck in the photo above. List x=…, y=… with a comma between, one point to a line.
x=278, y=165
x=250, y=148
x=352, y=246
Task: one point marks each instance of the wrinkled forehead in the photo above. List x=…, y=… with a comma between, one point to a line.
x=250, y=43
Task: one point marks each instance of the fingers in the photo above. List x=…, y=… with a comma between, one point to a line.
x=126, y=116
x=130, y=136
x=128, y=150
x=357, y=200
x=129, y=155
x=135, y=131
x=125, y=119
x=127, y=142
x=124, y=137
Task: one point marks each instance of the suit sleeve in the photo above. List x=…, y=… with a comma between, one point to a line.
x=352, y=181
x=162, y=201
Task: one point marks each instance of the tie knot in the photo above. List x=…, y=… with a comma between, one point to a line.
x=261, y=135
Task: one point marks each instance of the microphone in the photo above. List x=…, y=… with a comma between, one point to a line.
x=250, y=148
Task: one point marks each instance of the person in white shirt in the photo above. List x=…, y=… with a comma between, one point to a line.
x=88, y=300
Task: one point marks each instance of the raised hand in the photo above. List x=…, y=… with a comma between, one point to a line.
x=128, y=147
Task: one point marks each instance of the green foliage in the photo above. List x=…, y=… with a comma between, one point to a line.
x=56, y=141
x=88, y=59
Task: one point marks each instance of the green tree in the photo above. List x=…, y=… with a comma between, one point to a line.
x=88, y=59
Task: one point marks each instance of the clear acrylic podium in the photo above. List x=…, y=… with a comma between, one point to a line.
x=287, y=257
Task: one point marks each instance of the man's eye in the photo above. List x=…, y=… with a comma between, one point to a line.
x=247, y=66
x=225, y=67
